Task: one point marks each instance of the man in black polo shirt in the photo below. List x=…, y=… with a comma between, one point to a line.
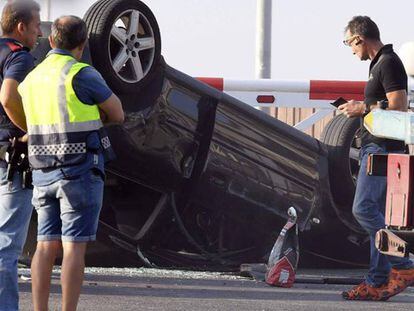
x=387, y=275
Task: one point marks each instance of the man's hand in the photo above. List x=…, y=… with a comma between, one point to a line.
x=352, y=109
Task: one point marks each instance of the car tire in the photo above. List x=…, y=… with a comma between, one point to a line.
x=124, y=43
x=343, y=156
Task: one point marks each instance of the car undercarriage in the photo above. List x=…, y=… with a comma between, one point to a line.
x=201, y=179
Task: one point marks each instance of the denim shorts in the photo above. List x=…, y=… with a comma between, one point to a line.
x=68, y=209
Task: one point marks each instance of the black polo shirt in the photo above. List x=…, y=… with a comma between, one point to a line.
x=386, y=74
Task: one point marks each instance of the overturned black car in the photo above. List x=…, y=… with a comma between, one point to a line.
x=201, y=179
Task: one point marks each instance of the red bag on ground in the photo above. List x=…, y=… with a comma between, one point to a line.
x=283, y=260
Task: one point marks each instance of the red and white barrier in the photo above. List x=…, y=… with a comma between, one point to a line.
x=316, y=94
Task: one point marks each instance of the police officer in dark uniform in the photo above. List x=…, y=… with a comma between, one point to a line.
x=20, y=25
x=387, y=82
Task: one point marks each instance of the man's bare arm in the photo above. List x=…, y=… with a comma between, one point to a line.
x=397, y=100
x=112, y=109
x=12, y=103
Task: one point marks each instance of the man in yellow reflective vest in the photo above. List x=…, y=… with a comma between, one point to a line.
x=65, y=102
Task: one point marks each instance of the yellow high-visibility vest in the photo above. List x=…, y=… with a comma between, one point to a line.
x=58, y=123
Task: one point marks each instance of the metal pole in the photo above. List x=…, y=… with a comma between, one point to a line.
x=264, y=41
x=47, y=10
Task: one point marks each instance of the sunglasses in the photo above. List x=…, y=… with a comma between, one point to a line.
x=348, y=41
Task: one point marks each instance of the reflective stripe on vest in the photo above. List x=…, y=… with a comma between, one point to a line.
x=57, y=149
x=58, y=122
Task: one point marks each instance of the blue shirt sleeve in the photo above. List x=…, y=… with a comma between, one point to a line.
x=90, y=87
x=18, y=65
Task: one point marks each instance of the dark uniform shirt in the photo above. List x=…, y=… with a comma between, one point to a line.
x=386, y=74
x=13, y=65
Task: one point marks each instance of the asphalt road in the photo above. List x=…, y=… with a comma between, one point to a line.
x=149, y=289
